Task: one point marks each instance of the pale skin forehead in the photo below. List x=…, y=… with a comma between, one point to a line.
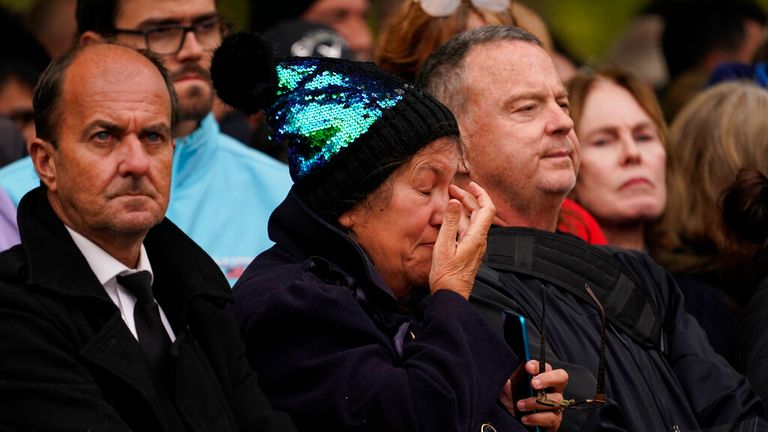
x=142, y=13
x=101, y=68
x=609, y=105
x=518, y=65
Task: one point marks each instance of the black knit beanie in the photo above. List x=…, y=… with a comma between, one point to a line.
x=348, y=125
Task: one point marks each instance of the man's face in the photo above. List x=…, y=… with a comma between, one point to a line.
x=349, y=19
x=520, y=140
x=108, y=174
x=188, y=68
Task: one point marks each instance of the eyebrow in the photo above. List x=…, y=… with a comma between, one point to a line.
x=645, y=124
x=612, y=128
x=534, y=95
x=100, y=124
x=159, y=22
x=113, y=128
x=162, y=127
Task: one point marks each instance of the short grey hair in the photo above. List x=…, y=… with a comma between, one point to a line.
x=442, y=74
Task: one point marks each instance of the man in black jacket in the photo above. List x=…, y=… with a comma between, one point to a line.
x=83, y=344
x=643, y=364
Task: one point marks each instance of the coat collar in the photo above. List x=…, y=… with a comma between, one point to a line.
x=194, y=153
x=55, y=263
x=298, y=230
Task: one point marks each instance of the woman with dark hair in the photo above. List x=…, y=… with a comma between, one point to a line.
x=357, y=318
x=745, y=217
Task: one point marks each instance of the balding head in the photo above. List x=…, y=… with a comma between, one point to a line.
x=93, y=64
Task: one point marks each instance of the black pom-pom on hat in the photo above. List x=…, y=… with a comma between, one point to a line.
x=243, y=72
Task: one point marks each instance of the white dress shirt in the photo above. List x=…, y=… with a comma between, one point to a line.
x=107, y=268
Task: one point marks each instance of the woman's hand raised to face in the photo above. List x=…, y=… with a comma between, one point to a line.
x=462, y=239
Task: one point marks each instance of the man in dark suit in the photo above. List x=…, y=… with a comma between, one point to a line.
x=110, y=317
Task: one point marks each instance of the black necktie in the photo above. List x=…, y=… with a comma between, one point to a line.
x=154, y=341
x=153, y=338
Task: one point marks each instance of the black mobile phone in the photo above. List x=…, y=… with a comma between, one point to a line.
x=516, y=336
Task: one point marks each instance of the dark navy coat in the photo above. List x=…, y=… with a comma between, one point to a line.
x=682, y=384
x=68, y=362
x=334, y=349
x=752, y=340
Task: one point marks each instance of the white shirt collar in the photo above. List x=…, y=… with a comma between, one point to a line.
x=104, y=265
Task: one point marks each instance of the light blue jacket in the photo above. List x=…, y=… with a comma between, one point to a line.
x=222, y=194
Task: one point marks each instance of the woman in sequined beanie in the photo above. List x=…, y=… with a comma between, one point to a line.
x=357, y=318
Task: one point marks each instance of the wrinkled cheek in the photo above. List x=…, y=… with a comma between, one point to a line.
x=164, y=177
x=420, y=266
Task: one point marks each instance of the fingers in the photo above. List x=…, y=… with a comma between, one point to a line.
x=506, y=397
x=545, y=416
x=455, y=259
x=448, y=266
x=467, y=200
x=481, y=209
x=469, y=204
x=553, y=379
x=445, y=245
x=532, y=367
x=549, y=420
x=556, y=379
x=530, y=404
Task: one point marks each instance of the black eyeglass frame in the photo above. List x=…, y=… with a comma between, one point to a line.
x=599, y=398
x=146, y=33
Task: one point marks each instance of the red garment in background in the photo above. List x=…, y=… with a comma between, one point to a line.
x=574, y=219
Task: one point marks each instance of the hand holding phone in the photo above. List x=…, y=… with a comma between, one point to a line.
x=516, y=336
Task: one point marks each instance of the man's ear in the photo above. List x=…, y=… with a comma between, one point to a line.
x=42, y=154
x=90, y=38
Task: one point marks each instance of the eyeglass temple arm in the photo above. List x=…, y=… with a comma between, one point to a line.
x=600, y=393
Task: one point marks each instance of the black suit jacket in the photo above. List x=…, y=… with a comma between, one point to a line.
x=69, y=362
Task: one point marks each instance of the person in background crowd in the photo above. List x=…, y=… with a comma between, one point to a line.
x=298, y=38
x=700, y=35
x=53, y=23
x=212, y=173
x=415, y=29
x=362, y=302
x=112, y=319
x=718, y=133
x=11, y=142
x=745, y=217
x=22, y=60
x=13, y=146
x=348, y=18
x=623, y=139
x=612, y=318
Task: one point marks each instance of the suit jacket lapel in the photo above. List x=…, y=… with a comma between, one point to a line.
x=114, y=349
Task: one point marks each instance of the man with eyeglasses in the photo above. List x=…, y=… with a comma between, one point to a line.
x=613, y=319
x=222, y=192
